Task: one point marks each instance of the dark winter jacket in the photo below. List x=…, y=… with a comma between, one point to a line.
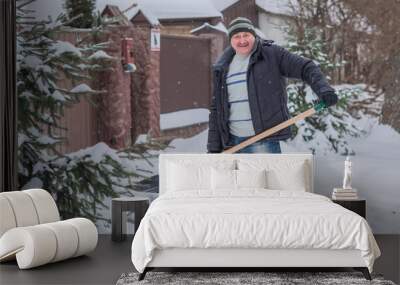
x=269, y=66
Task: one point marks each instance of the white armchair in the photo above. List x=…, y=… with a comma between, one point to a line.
x=31, y=230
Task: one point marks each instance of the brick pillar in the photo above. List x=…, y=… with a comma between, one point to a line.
x=115, y=104
x=153, y=99
x=145, y=85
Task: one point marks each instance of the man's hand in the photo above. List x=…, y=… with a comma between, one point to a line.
x=329, y=98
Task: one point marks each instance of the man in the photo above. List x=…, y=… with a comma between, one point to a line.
x=250, y=90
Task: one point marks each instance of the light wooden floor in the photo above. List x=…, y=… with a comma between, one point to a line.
x=110, y=260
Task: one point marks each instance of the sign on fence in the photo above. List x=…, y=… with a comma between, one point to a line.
x=155, y=40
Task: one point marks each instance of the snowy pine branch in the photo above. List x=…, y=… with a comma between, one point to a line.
x=82, y=180
x=329, y=130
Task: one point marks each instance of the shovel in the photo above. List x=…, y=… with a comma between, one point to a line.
x=318, y=107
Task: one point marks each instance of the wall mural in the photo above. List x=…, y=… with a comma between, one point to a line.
x=98, y=101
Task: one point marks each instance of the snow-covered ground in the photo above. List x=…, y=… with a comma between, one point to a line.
x=376, y=171
x=183, y=118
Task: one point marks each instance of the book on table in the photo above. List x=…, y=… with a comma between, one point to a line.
x=344, y=194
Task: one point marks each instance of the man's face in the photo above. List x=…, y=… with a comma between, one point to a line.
x=243, y=42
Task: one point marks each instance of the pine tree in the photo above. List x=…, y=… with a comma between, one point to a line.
x=80, y=13
x=79, y=181
x=329, y=130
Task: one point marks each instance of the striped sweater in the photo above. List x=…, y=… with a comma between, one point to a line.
x=240, y=122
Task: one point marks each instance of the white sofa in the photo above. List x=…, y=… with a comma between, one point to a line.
x=31, y=231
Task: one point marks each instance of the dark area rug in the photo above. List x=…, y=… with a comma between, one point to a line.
x=243, y=278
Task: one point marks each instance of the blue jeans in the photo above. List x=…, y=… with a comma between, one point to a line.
x=257, y=147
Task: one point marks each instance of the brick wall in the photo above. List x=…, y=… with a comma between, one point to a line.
x=130, y=104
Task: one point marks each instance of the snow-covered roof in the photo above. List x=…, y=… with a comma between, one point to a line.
x=223, y=4
x=221, y=28
x=153, y=20
x=218, y=27
x=121, y=4
x=177, y=9
x=155, y=10
x=281, y=7
x=114, y=11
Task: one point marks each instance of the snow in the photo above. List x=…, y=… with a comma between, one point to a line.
x=196, y=144
x=147, y=13
x=44, y=68
x=122, y=4
x=22, y=138
x=34, y=132
x=83, y=66
x=34, y=183
x=43, y=86
x=96, y=153
x=32, y=61
x=223, y=4
x=81, y=88
x=65, y=47
x=375, y=166
x=47, y=118
x=39, y=167
x=44, y=8
x=183, y=118
x=375, y=171
x=281, y=7
x=375, y=175
x=219, y=27
x=68, y=66
x=100, y=55
x=179, y=9
x=337, y=118
x=47, y=140
x=260, y=34
x=25, y=94
x=377, y=152
x=154, y=10
x=143, y=138
x=56, y=95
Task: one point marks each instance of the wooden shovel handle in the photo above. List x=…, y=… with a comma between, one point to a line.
x=272, y=130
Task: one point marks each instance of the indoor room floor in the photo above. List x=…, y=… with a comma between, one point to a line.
x=111, y=259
